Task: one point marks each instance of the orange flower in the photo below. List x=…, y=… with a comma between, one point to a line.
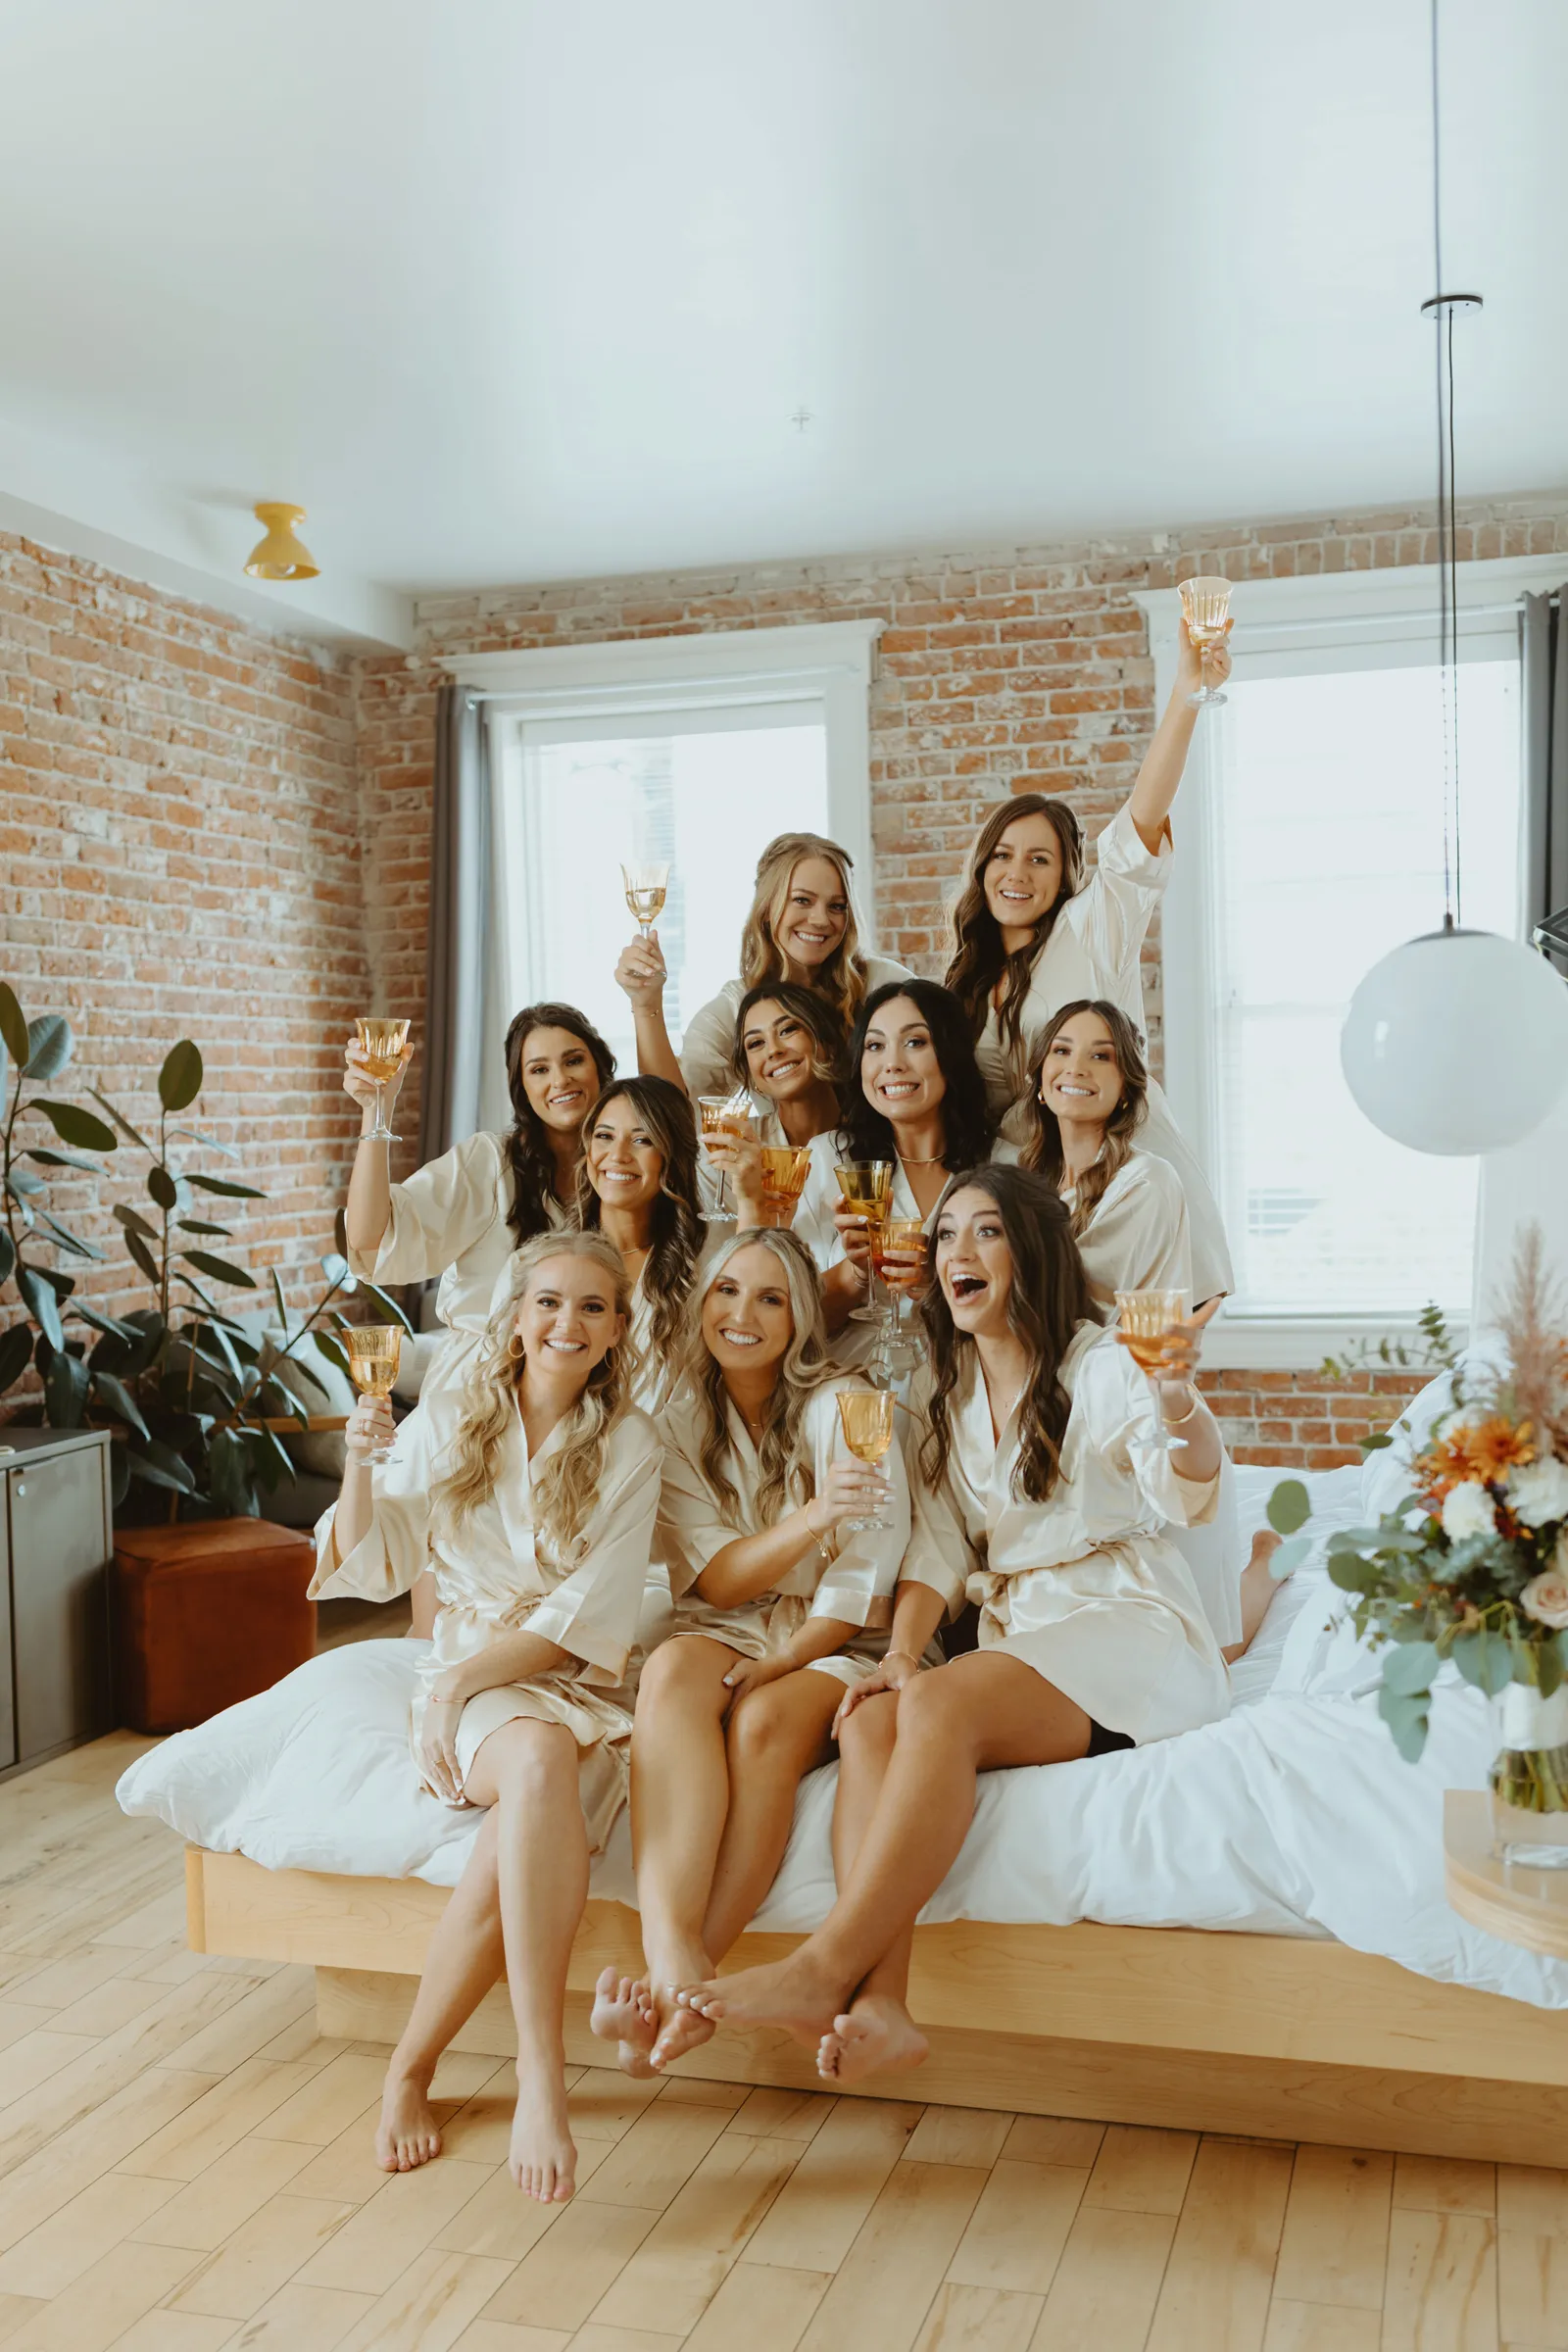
x=1486, y=1450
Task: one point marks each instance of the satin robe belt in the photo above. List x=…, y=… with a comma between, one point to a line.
x=763, y=1626
x=1109, y=1572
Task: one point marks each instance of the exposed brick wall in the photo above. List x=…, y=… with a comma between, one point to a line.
x=1302, y=1420
x=179, y=855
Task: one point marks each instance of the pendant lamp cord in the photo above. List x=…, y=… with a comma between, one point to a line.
x=1448, y=533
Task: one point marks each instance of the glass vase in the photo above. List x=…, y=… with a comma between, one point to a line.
x=1529, y=1777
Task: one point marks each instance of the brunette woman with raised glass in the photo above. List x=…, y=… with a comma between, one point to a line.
x=1037, y=926
x=637, y=1184
x=1046, y=1493
x=801, y=929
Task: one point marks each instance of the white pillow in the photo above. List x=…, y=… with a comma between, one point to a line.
x=1384, y=1474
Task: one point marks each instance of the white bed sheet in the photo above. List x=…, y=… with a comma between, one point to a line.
x=1293, y=1817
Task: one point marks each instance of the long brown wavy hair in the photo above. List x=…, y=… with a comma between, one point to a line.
x=816, y=1016
x=1044, y=1152
x=527, y=1143
x=568, y=1479
x=841, y=978
x=787, y=1481
x=979, y=959
x=666, y=1111
x=1048, y=1299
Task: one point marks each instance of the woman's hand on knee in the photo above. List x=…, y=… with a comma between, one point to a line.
x=438, y=1749
x=897, y=1668
x=754, y=1674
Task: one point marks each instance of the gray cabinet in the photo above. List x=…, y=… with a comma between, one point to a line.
x=56, y=1536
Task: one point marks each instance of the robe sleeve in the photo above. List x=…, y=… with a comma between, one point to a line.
x=396, y=1547
x=593, y=1612
x=442, y=1211
x=940, y=1554
x=691, y=1531
x=814, y=1222
x=707, y=1048
x=1142, y=1239
x=1112, y=911
x=857, y=1584
x=1124, y=1423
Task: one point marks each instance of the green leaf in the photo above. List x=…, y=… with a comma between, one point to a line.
x=220, y=1269
x=12, y=1025
x=327, y=1345
x=41, y=1303
x=119, y=1474
x=16, y=1351
x=1407, y=1715
x=133, y=1135
x=1352, y=1574
x=23, y=1186
x=1288, y=1557
x=143, y=1257
x=47, y=1157
x=305, y=1373
x=388, y=1307
x=62, y=1284
x=162, y=1186
x=64, y=1390
x=8, y=1254
x=1485, y=1660
x=120, y=1402
x=1409, y=1666
x=81, y=1128
x=229, y=1473
x=231, y=1192
x=161, y=1466
x=217, y=1233
x=49, y=1045
x=1289, y=1506
x=336, y=1270
x=282, y=1303
x=70, y=1241
x=179, y=1081
x=193, y=1134
x=133, y=1220
x=1376, y=1444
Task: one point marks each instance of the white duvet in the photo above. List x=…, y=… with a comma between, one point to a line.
x=1293, y=1817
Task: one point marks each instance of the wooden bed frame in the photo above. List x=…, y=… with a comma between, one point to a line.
x=1273, y=2036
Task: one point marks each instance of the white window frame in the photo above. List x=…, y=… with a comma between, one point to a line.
x=1374, y=619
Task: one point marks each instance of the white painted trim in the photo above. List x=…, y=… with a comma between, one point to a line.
x=826, y=661
x=1300, y=1342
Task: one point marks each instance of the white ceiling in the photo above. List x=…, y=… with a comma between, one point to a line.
x=511, y=290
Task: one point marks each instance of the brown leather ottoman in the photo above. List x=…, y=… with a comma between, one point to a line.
x=204, y=1616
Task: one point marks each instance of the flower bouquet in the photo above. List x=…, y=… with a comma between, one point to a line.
x=1472, y=1566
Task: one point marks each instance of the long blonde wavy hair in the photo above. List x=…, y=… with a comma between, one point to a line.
x=841, y=978
x=569, y=1480
x=787, y=1479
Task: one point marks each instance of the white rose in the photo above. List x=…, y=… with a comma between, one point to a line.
x=1468, y=1511
x=1537, y=1492
x=1545, y=1597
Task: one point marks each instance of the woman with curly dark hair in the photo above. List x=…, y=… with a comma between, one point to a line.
x=914, y=1097
x=637, y=1185
x=1046, y=1493
x=462, y=1216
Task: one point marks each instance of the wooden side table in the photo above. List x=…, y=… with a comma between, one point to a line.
x=1521, y=1905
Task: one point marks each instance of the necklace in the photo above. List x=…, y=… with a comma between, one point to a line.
x=904, y=1162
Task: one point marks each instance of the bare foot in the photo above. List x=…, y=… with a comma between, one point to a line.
x=542, y=2159
x=681, y=2028
x=877, y=2034
x=623, y=2012
x=408, y=2134
x=1258, y=1589
x=795, y=1994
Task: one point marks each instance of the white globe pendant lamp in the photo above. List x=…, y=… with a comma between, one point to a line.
x=1457, y=1042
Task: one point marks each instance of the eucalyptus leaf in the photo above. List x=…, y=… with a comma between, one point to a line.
x=162, y=1186
x=1288, y=1557
x=220, y=1269
x=1353, y=1575
x=47, y=1157
x=388, y=1307
x=179, y=1081
x=133, y=1135
x=41, y=1303
x=1376, y=1443
x=49, y=1047
x=1485, y=1660
x=16, y=1353
x=1289, y=1506
x=230, y=1191
x=73, y=1125
x=120, y=1402
x=1409, y=1666
x=1407, y=1715
x=12, y=1026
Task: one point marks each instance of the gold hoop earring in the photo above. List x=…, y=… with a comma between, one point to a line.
x=515, y=1348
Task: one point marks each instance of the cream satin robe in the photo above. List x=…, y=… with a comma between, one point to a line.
x=1086, y=1586
x=498, y=1573
x=1093, y=949
x=813, y=1223
x=1139, y=1239
x=708, y=1042
x=450, y=1219
x=856, y=1586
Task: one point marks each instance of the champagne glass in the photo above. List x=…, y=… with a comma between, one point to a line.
x=1205, y=603
x=868, y=1185
x=645, y=887
x=895, y=1234
x=1146, y=1316
x=867, y=1418
x=720, y=1114
x=784, y=1172
x=381, y=1043
x=373, y=1351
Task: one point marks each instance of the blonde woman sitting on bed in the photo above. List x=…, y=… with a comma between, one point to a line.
x=532, y=1495
x=779, y=1605
x=1045, y=1494
x=1088, y=1097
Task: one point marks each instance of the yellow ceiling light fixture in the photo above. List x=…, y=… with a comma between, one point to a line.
x=282, y=555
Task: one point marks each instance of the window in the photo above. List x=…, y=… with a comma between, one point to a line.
x=1309, y=843
x=692, y=750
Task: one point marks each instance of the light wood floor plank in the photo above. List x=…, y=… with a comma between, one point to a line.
x=594, y=2338
x=1335, y=2245
x=257, y=2018
x=228, y=2110
x=604, y=2103
x=1108, y=2282
x=1055, y=2139
x=1531, y=2288
x=429, y=2306
x=1321, y=2327
x=1220, y=2274
x=328, y=2103
x=379, y=2239
x=887, y=2281
x=304, y=2319
x=979, y=2319
x=495, y=2335
x=760, y=2308
x=105, y=2302
x=206, y=2211
x=1139, y=2171
x=99, y=2143
x=682, y=2262
x=661, y=2150
x=573, y=2266
x=1533, y=2199
x=497, y=2221
x=816, y=2215
x=1445, y=2185
x=958, y=2135
x=769, y=2113
x=247, y=2269
x=1019, y=2229
x=1441, y=2294
x=165, y=2331
x=51, y=2257
x=15, y=2311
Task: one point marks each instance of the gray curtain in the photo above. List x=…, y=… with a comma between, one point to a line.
x=458, y=947
x=1545, y=735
